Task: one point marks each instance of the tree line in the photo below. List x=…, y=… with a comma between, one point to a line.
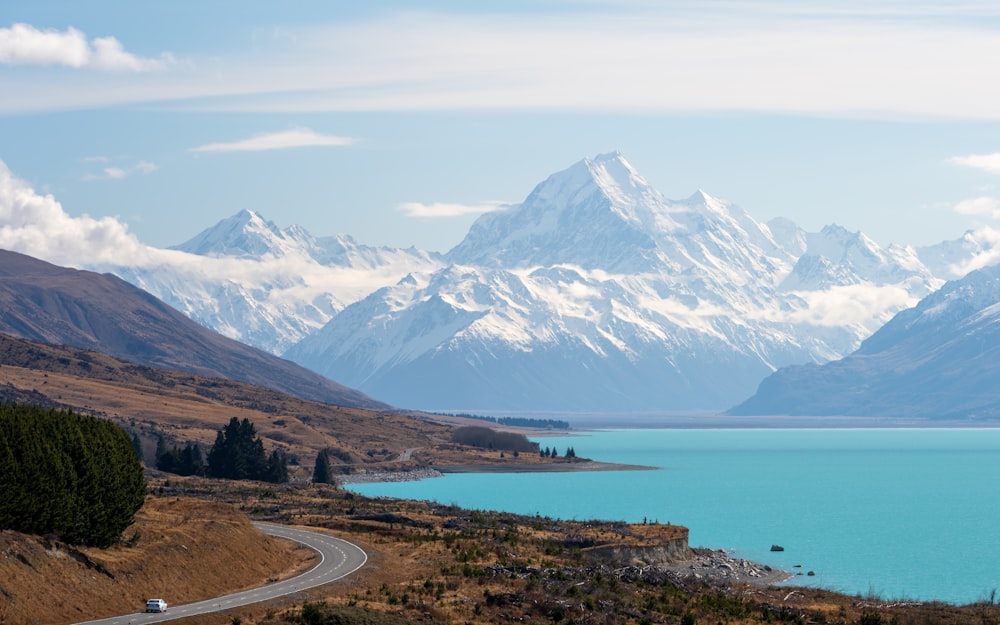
x=71, y=475
x=486, y=438
x=237, y=454
x=521, y=422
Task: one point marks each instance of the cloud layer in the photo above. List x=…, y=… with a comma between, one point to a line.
x=873, y=59
x=445, y=209
x=23, y=44
x=298, y=138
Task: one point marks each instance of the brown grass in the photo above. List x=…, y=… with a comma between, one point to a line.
x=179, y=549
x=426, y=562
x=185, y=408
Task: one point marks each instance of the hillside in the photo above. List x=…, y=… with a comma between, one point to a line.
x=937, y=360
x=184, y=549
x=93, y=311
x=184, y=407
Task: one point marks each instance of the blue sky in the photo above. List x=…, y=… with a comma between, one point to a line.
x=398, y=123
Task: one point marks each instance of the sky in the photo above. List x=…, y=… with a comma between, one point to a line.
x=400, y=122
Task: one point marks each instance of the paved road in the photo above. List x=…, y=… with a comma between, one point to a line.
x=338, y=558
x=405, y=455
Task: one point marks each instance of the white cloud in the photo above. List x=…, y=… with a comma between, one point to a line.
x=984, y=206
x=987, y=162
x=896, y=60
x=38, y=226
x=866, y=305
x=146, y=167
x=116, y=172
x=298, y=138
x=444, y=209
x=985, y=243
x=23, y=44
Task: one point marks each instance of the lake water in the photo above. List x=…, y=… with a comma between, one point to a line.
x=901, y=513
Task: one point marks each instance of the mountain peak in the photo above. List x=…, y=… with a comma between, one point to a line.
x=245, y=234
x=616, y=177
x=596, y=213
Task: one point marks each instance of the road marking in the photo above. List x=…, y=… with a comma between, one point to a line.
x=315, y=576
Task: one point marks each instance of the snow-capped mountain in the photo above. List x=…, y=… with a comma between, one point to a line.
x=266, y=286
x=953, y=259
x=939, y=359
x=836, y=257
x=597, y=293
x=601, y=214
x=248, y=235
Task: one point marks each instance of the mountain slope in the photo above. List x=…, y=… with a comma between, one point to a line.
x=936, y=360
x=265, y=286
x=596, y=293
x=102, y=312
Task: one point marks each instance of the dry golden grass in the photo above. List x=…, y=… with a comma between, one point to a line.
x=180, y=549
x=426, y=562
x=186, y=408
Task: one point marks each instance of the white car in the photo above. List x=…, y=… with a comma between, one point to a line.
x=156, y=605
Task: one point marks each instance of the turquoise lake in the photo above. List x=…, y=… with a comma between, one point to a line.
x=901, y=513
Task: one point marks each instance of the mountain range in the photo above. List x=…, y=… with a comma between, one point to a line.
x=266, y=286
x=594, y=293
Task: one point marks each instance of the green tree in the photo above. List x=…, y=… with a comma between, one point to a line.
x=137, y=446
x=238, y=454
x=276, y=469
x=75, y=476
x=321, y=472
x=189, y=460
x=166, y=457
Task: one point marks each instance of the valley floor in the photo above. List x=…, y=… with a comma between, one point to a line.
x=427, y=563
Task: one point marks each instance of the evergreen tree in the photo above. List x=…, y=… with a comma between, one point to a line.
x=321, y=472
x=166, y=458
x=137, y=446
x=276, y=470
x=189, y=461
x=238, y=454
x=77, y=477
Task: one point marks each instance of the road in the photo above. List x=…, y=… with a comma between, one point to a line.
x=405, y=455
x=338, y=558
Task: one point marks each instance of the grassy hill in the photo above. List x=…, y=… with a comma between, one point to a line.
x=184, y=407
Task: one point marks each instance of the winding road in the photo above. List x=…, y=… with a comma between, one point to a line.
x=338, y=558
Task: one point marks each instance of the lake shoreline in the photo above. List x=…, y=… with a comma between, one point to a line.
x=425, y=473
x=584, y=422
x=824, y=495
